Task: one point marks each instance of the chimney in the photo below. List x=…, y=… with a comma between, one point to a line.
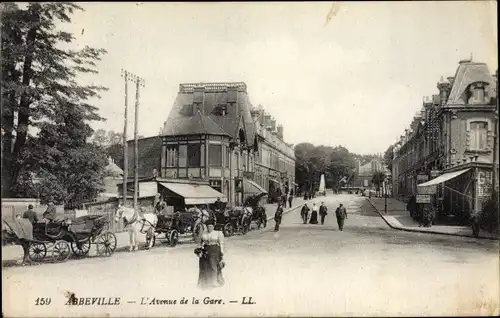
x=273, y=124
x=198, y=99
x=267, y=121
x=280, y=132
x=232, y=94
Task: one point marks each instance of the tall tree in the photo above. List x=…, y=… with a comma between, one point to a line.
x=40, y=90
x=388, y=157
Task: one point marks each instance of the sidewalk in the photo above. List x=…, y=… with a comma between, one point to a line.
x=398, y=218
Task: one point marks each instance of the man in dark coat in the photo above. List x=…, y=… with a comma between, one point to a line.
x=304, y=212
x=277, y=217
x=290, y=198
x=30, y=215
x=323, y=212
x=218, y=205
x=341, y=214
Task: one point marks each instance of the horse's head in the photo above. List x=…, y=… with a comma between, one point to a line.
x=119, y=212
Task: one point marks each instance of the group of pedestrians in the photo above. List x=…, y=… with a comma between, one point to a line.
x=340, y=213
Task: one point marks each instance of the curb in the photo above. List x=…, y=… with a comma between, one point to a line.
x=429, y=232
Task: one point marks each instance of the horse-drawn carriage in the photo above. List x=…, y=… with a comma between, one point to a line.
x=238, y=219
x=178, y=223
x=61, y=237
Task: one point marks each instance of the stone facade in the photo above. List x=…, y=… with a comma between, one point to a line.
x=453, y=131
x=274, y=158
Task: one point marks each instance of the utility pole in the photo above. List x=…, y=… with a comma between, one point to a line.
x=139, y=81
x=125, y=75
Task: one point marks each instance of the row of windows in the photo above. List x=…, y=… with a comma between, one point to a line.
x=192, y=155
x=478, y=140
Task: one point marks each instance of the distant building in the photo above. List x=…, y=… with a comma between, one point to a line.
x=364, y=173
x=274, y=158
x=451, y=137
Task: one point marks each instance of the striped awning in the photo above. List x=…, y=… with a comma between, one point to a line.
x=194, y=193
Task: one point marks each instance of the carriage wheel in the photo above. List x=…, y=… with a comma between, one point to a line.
x=173, y=238
x=80, y=248
x=150, y=236
x=106, y=244
x=37, y=251
x=61, y=251
x=228, y=230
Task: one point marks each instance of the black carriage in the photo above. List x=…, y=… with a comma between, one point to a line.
x=232, y=221
x=61, y=237
x=176, y=224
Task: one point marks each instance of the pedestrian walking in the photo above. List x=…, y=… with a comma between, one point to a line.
x=304, y=213
x=314, y=214
x=341, y=214
x=211, y=262
x=290, y=198
x=323, y=212
x=30, y=214
x=277, y=217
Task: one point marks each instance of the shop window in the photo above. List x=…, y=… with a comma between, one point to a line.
x=215, y=155
x=172, y=155
x=228, y=156
x=478, y=135
x=194, y=155
x=182, y=155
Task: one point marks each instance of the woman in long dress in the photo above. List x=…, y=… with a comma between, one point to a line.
x=314, y=214
x=211, y=253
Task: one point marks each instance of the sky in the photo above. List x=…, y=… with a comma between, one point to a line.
x=355, y=81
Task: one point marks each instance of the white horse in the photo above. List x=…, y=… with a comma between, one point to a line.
x=136, y=222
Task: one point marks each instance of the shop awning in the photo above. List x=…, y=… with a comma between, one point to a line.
x=195, y=193
x=442, y=178
x=252, y=187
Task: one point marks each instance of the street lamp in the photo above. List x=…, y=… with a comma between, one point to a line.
x=385, y=195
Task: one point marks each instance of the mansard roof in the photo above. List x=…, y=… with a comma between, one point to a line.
x=214, y=94
x=468, y=73
x=192, y=125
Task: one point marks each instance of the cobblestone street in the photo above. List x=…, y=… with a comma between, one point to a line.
x=302, y=269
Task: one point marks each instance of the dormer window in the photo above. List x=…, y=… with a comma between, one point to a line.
x=188, y=110
x=477, y=93
x=221, y=110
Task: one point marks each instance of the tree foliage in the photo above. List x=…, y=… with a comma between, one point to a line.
x=378, y=179
x=112, y=143
x=313, y=161
x=388, y=157
x=45, y=112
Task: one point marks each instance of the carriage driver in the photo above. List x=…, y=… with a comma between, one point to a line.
x=218, y=205
x=50, y=213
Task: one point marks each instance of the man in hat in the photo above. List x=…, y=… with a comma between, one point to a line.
x=277, y=217
x=304, y=212
x=50, y=213
x=323, y=212
x=341, y=214
x=30, y=215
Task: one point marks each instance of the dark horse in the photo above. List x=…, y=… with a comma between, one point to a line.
x=259, y=212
